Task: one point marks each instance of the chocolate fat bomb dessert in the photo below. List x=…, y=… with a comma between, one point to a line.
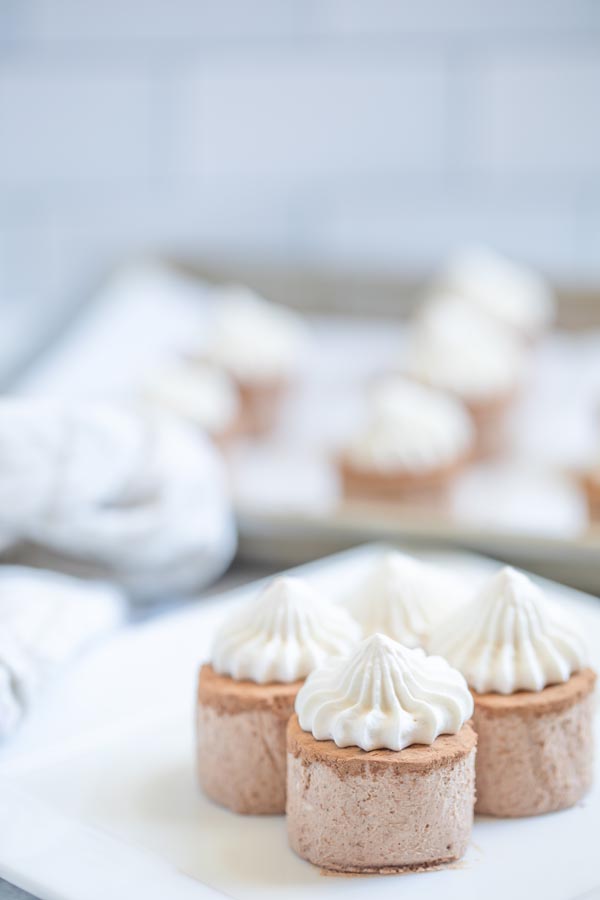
x=413, y=444
x=381, y=762
x=511, y=294
x=533, y=697
x=260, y=345
x=455, y=348
x=246, y=693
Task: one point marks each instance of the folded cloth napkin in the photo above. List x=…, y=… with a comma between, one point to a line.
x=45, y=619
x=114, y=491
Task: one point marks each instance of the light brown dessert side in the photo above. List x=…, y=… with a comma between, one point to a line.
x=535, y=749
x=261, y=404
x=590, y=482
x=382, y=811
x=241, y=740
x=489, y=417
x=400, y=485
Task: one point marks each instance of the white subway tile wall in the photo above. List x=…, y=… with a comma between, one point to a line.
x=330, y=132
x=542, y=114
x=297, y=116
x=60, y=125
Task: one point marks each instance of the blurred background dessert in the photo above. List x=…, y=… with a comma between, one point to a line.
x=457, y=348
x=512, y=295
x=258, y=344
x=200, y=392
x=413, y=442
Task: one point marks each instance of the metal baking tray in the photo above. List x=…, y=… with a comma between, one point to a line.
x=285, y=489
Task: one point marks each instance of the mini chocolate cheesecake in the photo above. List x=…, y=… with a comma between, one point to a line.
x=381, y=811
x=533, y=697
x=381, y=762
x=513, y=296
x=260, y=344
x=413, y=444
x=455, y=348
x=241, y=730
x=246, y=694
x=535, y=747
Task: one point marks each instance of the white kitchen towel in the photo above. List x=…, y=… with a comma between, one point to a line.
x=45, y=619
x=132, y=496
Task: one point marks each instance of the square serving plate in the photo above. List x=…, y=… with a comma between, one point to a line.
x=98, y=797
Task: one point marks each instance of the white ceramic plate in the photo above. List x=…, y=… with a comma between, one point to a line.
x=98, y=797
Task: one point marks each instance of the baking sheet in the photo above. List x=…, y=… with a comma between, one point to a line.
x=147, y=314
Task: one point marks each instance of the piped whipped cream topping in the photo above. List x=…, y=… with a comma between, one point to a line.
x=384, y=695
x=254, y=339
x=400, y=597
x=512, y=294
x=200, y=392
x=283, y=635
x=454, y=347
x=510, y=638
x=411, y=427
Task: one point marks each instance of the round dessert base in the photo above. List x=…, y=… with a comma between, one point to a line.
x=383, y=811
x=241, y=741
x=534, y=749
x=425, y=489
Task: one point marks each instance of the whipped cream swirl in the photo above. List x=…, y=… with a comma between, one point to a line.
x=511, y=294
x=384, y=696
x=411, y=427
x=510, y=638
x=457, y=348
x=253, y=339
x=283, y=635
x=399, y=597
